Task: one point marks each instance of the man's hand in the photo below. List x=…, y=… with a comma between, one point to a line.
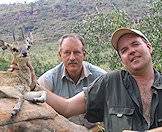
x=36, y=96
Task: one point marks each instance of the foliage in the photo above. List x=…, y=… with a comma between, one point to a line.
x=50, y=19
x=95, y=27
x=4, y=60
x=4, y=64
x=152, y=27
x=44, y=57
x=96, y=30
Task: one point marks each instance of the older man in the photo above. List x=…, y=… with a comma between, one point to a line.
x=73, y=73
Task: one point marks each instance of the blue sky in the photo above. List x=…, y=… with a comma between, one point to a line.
x=14, y=1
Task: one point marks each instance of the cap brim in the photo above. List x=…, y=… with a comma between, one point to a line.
x=122, y=31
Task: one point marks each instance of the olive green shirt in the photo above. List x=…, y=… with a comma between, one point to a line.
x=115, y=99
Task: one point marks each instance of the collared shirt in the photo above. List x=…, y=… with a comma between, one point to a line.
x=57, y=81
x=115, y=99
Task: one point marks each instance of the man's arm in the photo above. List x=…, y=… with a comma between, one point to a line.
x=67, y=107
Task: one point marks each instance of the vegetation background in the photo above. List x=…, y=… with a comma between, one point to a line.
x=95, y=20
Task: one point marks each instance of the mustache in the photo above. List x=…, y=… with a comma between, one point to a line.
x=72, y=62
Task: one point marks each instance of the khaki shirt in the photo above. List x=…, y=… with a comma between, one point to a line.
x=57, y=81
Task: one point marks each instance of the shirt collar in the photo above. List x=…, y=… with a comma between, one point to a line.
x=86, y=69
x=158, y=80
x=157, y=84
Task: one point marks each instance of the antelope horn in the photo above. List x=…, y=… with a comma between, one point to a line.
x=22, y=33
x=30, y=36
x=13, y=34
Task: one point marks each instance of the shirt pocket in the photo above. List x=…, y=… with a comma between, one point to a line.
x=121, y=118
x=160, y=122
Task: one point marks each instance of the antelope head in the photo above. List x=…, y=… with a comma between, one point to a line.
x=19, y=49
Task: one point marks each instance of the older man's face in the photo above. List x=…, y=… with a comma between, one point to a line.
x=72, y=54
x=134, y=52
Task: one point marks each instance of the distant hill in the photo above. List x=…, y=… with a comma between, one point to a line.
x=50, y=19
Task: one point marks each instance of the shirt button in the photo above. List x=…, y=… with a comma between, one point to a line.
x=119, y=115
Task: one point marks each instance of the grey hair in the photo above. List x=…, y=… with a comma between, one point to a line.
x=72, y=35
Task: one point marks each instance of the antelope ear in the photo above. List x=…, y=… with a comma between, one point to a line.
x=3, y=45
x=30, y=36
x=29, y=39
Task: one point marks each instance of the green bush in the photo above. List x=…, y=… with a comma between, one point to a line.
x=152, y=26
x=44, y=57
x=97, y=30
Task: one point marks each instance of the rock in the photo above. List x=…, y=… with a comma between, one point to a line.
x=34, y=118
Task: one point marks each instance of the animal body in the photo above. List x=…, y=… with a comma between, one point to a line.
x=18, y=83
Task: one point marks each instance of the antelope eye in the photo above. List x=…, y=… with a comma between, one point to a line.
x=15, y=50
